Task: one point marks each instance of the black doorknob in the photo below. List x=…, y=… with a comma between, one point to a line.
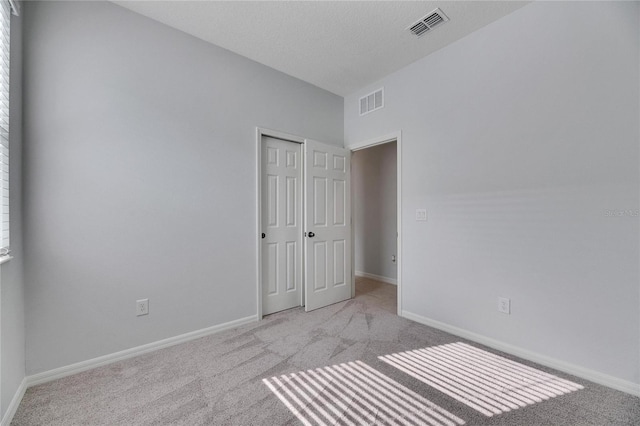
x=264, y=235
x=311, y=235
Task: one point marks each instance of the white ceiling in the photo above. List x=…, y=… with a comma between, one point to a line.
x=340, y=46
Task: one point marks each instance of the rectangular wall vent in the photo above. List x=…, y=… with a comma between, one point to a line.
x=372, y=101
x=428, y=22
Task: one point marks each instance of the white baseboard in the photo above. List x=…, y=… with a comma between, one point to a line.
x=79, y=367
x=377, y=277
x=576, y=370
x=15, y=402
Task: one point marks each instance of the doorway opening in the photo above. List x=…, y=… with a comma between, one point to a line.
x=376, y=194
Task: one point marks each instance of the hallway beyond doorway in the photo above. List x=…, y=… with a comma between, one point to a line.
x=377, y=293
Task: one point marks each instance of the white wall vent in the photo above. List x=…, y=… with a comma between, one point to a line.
x=428, y=22
x=372, y=101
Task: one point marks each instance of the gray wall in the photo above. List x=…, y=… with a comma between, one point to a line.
x=374, y=177
x=11, y=273
x=140, y=180
x=517, y=140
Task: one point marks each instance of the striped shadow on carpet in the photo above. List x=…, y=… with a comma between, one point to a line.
x=355, y=394
x=483, y=381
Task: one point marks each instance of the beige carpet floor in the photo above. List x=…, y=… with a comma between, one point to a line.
x=222, y=379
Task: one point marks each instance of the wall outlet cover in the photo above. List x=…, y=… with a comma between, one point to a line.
x=142, y=307
x=504, y=305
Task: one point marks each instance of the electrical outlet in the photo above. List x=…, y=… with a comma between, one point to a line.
x=504, y=305
x=142, y=307
x=421, y=215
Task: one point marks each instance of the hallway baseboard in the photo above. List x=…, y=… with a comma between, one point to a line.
x=377, y=277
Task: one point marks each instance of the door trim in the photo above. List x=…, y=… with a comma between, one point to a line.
x=260, y=131
x=356, y=146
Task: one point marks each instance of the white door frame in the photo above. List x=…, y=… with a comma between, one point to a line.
x=397, y=137
x=287, y=137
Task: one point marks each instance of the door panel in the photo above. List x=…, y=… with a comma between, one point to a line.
x=291, y=265
x=272, y=268
x=339, y=202
x=328, y=225
x=320, y=204
x=319, y=262
x=281, y=224
x=272, y=200
x=292, y=200
x=339, y=262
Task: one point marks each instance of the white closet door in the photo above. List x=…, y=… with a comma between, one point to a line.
x=327, y=225
x=281, y=225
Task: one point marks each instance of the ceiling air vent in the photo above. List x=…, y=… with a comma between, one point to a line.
x=372, y=101
x=428, y=22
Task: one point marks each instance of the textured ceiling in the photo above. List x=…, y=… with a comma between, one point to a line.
x=339, y=46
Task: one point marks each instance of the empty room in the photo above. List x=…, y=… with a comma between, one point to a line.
x=318, y=213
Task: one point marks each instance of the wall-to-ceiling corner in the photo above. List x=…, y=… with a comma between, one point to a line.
x=11, y=273
x=140, y=178
x=522, y=142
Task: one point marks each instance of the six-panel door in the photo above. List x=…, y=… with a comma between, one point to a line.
x=328, y=225
x=281, y=225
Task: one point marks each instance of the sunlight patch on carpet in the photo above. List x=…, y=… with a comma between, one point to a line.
x=486, y=382
x=354, y=394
